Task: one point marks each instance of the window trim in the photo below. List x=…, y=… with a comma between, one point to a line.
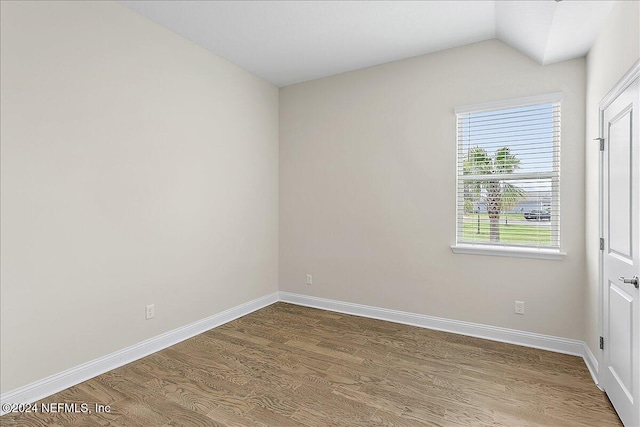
x=506, y=250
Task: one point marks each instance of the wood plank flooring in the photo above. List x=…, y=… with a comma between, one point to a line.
x=287, y=365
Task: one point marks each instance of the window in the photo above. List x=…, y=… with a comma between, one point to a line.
x=508, y=176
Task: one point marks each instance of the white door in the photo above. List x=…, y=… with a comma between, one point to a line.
x=621, y=259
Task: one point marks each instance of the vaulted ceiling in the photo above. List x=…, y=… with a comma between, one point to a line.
x=287, y=42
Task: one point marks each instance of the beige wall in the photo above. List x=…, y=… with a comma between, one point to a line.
x=367, y=191
x=137, y=168
x=615, y=51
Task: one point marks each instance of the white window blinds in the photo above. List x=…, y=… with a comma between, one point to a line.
x=508, y=174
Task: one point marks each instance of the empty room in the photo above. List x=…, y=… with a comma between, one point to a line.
x=320, y=213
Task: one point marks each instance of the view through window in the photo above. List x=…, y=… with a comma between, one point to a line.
x=508, y=172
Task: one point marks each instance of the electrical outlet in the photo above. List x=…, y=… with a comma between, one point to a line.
x=309, y=279
x=150, y=312
x=519, y=309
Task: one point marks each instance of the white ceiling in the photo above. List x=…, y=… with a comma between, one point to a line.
x=287, y=42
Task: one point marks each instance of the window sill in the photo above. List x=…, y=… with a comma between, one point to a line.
x=508, y=252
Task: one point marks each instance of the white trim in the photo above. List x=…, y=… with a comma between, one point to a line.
x=63, y=380
x=493, y=333
x=592, y=364
x=508, y=251
x=509, y=103
x=626, y=80
x=600, y=284
x=621, y=86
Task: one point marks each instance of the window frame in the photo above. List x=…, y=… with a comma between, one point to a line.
x=554, y=253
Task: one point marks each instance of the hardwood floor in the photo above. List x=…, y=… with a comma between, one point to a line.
x=287, y=365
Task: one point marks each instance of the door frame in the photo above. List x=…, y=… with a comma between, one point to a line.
x=626, y=81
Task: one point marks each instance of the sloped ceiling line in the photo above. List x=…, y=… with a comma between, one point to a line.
x=287, y=42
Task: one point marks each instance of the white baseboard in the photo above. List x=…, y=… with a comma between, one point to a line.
x=511, y=336
x=58, y=382
x=592, y=364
